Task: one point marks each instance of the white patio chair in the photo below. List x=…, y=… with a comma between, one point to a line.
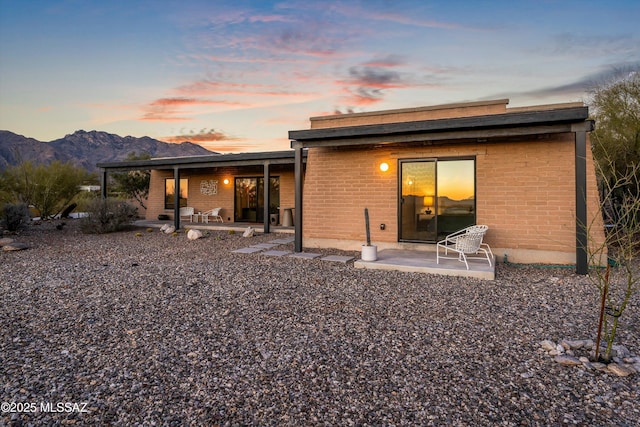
x=467, y=241
x=213, y=213
x=187, y=212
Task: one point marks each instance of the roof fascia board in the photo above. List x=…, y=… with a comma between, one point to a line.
x=459, y=124
x=482, y=135
x=191, y=162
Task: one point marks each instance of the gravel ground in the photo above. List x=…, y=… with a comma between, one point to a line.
x=159, y=330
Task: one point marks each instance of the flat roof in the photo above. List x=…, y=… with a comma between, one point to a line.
x=556, y=119
x=213, y=160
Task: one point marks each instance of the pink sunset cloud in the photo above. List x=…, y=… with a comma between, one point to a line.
x=214, y=140
x=201, y=136
x=171, y=109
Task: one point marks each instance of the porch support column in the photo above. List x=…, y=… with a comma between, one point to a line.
x=298, y=196
x=582, y=266
x=267, y=197
x=176, y=197
x=103, y=183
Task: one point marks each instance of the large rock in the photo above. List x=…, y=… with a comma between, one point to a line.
x=5, y=241
x=169, y=230
x=194, y=234
x=15, y=246
x=249, y=232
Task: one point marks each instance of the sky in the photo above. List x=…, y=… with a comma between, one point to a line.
x=236, y=76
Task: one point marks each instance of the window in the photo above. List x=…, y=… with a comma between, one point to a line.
x=170, y=191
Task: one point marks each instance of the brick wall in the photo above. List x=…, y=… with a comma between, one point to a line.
x=525, y=193
x=224, y=198
x=411, y=114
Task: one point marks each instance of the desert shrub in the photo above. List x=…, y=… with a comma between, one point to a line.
x=15, y=216
x=49, y=188
x=107, y=216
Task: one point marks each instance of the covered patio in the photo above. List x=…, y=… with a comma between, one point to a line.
x=260, y=166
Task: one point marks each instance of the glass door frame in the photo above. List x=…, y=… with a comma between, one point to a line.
x=435, y=160
x=259, y=189
x=400, y=201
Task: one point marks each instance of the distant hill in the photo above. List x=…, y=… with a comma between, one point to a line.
x=85, y=149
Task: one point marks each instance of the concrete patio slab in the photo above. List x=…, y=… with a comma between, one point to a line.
x=305, y=255
x=425, y=262
x=275, y=253
x=247, y=250
x=264, y=245
x=337, y=258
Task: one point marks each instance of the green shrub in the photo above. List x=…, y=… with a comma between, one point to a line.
x=107, y=215
x=15, y=217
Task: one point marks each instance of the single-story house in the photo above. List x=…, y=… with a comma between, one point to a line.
x=527, y=173
x=233, y=182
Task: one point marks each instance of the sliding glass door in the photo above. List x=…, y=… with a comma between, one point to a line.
x=437, y=197
x=249, y=198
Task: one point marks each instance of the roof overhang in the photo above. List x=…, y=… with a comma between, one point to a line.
x=449, y=130
x=215, y=160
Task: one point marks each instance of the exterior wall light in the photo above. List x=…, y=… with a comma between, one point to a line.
x=226, y=181
x=384, y=166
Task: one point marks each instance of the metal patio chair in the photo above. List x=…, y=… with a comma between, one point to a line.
x=213, y=213
x=463, y=243
x=187, y=212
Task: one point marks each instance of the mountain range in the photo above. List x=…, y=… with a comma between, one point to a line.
x=85, y=149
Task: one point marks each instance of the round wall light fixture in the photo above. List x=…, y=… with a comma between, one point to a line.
x=384, y=166
x=226, y=181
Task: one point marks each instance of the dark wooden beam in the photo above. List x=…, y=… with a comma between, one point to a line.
x=176, y=198
x=103, y=184
x=582, y=266
x=297, y=222
x=267, y=197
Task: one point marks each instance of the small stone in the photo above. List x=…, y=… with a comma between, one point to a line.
x=169, y=230
x=573, y=344
x=560, y=349
x=584, y=359
x=567, y=360
x=599, y=366
x=619, y=370
x=249, y=232
x=548, y=345
x=621, y=351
